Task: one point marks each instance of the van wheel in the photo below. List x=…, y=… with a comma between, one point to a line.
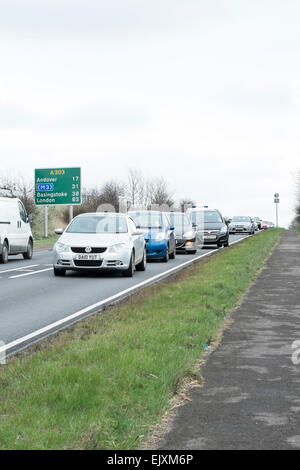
x=4, y=253
x=29, y=252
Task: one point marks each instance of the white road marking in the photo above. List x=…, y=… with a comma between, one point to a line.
x=19, y=269
x=32, y=272
x=114, y=297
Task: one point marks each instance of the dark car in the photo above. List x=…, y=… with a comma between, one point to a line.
x=210, y=225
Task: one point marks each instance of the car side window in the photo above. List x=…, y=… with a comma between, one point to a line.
x=167, y=221
x=132, y=226
x=22, y=212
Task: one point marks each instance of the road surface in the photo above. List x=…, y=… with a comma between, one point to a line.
x=34, y=303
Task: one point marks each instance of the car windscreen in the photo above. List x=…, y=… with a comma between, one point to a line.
x=147, y=219
x=98, y=224
x=180, y=220
x=200, y=217
x=241, y=219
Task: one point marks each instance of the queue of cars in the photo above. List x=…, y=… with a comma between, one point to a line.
x=122, y=242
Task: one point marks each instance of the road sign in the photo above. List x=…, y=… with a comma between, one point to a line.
x=276, y=200
x=57, y=186
x=276, y=195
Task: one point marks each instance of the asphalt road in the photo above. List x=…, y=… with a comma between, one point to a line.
x=34, y=303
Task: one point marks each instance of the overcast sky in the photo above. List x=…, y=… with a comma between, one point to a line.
x=204, y=92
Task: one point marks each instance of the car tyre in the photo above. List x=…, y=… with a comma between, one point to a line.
x=29, y=252
x=226, y=244
x=166, y=257
x=59, y=272
x=4, y=253
x=173, y=254
x=129, y=272
x=142, y=265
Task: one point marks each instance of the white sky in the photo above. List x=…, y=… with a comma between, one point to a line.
x=204, y=92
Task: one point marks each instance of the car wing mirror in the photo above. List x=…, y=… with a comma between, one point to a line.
x=172, y=227
x=58, y=231
x=29, y=218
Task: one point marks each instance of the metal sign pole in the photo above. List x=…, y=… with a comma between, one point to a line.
x=276, y=200
x=70, y=213
x=46, y=221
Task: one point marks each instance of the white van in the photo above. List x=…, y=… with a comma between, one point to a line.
x=15, y=232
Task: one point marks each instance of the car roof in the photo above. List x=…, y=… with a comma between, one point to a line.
x=144, y=211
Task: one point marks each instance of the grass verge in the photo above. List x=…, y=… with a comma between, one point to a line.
x=105, y=382
x=44, y=243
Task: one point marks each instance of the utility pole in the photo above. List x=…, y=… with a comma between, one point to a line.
x=277, y=201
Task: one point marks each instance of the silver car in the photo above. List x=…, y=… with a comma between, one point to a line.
x=242, y=224
x=186, y=239
x=100, y=241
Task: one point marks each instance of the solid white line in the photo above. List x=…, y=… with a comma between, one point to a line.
x=47, y=328
x=19, y=269
x=32, y=272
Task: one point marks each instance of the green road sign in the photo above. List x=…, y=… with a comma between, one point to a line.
x=56, y=186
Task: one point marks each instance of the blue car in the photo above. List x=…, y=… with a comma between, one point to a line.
x=158, y=233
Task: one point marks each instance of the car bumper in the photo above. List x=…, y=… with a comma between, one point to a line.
x=240, y=230
x=156, y=250
x=185, y=245
x=107, y=261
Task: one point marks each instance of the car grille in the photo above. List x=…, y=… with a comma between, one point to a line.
x=87, y=263
x=209, y=232
x=81, y=249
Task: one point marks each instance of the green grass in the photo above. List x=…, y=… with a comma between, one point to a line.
x=107, y=380
x=45, y=242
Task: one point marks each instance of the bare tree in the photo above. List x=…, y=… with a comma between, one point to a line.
x=135, y=187
x=185, y=203
x=25, y=191
x=160, y=194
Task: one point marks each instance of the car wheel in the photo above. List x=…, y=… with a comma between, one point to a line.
x=129, y=272
x=59, y=272
x=173, y=255
x=226, y=244
x=29, y=252
x=4, y=253
x=166, y=257
x=142, y=265
x=219, y=245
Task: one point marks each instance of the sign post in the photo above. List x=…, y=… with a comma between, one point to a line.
x=277, y=201
x=57, y=186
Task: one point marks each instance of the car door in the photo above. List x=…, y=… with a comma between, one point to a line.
x=170, y=233
x=138, y=241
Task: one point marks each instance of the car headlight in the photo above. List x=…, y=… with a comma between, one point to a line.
x=188, y=235
x=160, y=236
x=62, y=247
x=116, y=248
x=224, y=229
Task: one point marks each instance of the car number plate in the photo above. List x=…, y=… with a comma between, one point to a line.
x=87, y=257
x=209, y=237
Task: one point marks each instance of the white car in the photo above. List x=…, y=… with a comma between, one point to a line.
x=15, y=232
x=100, y=241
